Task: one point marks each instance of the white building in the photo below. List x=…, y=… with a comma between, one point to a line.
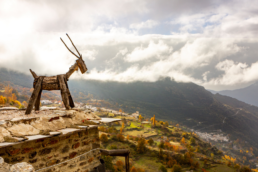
x=46, y=102
x=136, y=114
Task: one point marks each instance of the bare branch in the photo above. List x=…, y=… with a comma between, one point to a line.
x=33, y=74
x=74, y=45
x=69, y=49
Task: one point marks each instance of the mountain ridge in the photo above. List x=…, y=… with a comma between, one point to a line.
x=185, y=103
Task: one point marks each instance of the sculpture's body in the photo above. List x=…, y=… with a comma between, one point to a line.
x=58, y=82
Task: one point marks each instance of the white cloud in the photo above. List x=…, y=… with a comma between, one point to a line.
x=89, y=54
x=142, y=25
x=153, y=50
x=213, y=43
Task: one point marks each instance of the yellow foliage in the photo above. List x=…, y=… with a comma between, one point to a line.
x=2, y=100
x=8, y=91
x=14, y=97
x=17, y=102
x=140, y=117
x=226, y=157
x=153, y=120
x=183, y=140
x=25, y=103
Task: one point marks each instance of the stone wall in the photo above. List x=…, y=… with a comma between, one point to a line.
x=73, y=150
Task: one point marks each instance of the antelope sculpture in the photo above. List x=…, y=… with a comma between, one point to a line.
x=58, y=82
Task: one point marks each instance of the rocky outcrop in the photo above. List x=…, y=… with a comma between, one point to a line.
x=23, y=130
x=4, y=133
x=4, y=167
x=22, y=167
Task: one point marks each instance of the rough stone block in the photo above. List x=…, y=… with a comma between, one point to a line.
x=45, y=151
x=52, y=162
x=32, y=155
x=75, y=146
x=26, y=150
x=72, y=155
x=13, y=151
x=16, y=159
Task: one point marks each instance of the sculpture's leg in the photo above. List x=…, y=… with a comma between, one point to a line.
x=34, y=95
x=64, y=91
x=37, y=103
x=71, y=103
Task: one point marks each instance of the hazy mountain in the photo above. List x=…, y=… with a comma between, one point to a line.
x=186, y=103
x=248, y=94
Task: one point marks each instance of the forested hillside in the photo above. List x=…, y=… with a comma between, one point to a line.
x=186, y=103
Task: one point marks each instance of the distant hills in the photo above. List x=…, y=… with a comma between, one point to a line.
x=248, y=94
x=185, y=103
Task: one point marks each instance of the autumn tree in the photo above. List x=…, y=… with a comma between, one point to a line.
x=197, y=149
x=133, y=169
x=176, y=168
x=245, y=169
x=108, y=163
x=120, y=165
x=8, y=91
x=2, y=100
x=153, y=120
x=182, y=140
x=212, y=155
x=141, y=145
x=14, y=97
x=122, y=128
x=103, y=138
x=162, y=169
x=192, y=141
x=140, y=117
x=161, y=145
x=120, y=137
x=150, y=141
x=25, y=103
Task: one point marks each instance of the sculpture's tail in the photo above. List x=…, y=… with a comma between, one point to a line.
x=33, y=74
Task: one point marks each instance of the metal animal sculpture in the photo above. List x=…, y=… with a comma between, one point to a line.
x=58, y=82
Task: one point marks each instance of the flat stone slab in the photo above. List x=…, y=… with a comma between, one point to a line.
x=81, y=126
x=47, y=108
x=8, y=143
x=55, y=133
x=68, y=130
x=95, y=121
x=108, y=120
x=8, y=108
x=36, y=137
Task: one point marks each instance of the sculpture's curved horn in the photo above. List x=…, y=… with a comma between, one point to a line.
x=33, y=74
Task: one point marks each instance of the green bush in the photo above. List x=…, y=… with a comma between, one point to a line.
x=113, y=147
x=21, y=107
x=176, y=168
x=108, y=163
x=162, y=169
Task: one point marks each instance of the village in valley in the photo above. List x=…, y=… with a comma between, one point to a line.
x=164, y=143
x=153, y=143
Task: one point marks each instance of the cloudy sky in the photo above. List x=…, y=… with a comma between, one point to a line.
x=210, y=43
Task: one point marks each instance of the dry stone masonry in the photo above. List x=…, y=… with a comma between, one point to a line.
x=57, y=141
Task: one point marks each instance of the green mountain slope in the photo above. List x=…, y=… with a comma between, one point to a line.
x=186, y=103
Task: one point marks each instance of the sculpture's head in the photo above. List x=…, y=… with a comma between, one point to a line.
x=80, y=61
x=82, y=65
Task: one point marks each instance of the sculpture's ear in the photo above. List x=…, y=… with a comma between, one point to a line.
x=81, y=65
